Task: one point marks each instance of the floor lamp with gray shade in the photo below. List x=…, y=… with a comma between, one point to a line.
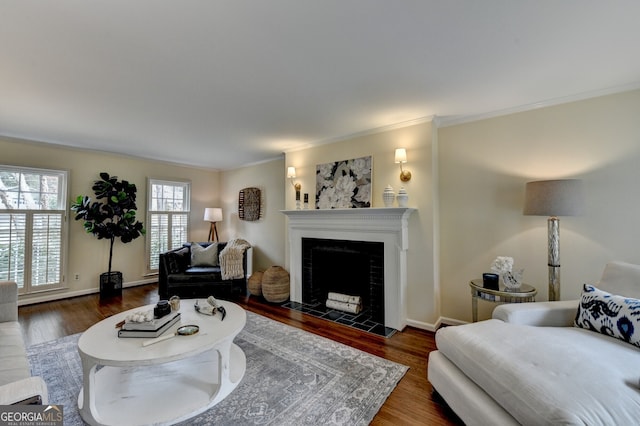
x=554, y=198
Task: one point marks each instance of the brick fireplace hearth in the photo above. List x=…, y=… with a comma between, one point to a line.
x=354, y=268
x=382, y=225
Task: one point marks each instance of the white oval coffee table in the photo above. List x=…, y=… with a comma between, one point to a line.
x=125, y=383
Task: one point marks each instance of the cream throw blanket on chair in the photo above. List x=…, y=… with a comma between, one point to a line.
x=231, y=259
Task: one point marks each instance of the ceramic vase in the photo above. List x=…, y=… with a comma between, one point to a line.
x=402, y=197
x=388, y=196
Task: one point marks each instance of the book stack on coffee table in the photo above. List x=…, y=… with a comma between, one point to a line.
x=149, y=329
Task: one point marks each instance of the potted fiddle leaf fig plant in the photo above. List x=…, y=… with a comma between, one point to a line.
x=111, y=217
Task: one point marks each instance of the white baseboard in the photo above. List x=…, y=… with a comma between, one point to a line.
x=66, y=294
x=434, y=327
x=421, y=325
x=450, y=321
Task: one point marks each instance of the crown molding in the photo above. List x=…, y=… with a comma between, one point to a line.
x=443, y=121
x=363, y=133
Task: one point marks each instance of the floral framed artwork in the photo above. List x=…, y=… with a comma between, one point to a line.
x=344, y=184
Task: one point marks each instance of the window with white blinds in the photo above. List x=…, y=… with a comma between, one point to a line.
x=32, y=227
x=168, y=218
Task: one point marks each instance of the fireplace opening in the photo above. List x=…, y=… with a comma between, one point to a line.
x=354, y=268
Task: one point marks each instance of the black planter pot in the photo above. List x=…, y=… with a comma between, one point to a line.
x=110, y=285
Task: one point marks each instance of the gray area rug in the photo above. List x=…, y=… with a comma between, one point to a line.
x=292, y=378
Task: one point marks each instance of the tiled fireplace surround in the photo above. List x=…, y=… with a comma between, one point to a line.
x=388, y=226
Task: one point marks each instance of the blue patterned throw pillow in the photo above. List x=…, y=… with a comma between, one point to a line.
x=606, y=313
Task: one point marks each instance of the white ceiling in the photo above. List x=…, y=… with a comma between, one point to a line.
x=222, y=84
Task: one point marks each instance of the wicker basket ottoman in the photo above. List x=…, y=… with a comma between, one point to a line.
x=275, y=284
x=254, y=283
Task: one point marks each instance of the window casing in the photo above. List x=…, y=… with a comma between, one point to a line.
x=168, y=218
x=33, y=227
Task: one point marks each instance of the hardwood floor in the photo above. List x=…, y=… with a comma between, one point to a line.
x=411, y=403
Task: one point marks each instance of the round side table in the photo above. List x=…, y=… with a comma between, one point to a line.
x=525, y=293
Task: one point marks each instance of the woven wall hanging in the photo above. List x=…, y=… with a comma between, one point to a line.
x=249, y=204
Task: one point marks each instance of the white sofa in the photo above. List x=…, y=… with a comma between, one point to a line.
x=17, y=386
x=530, y=365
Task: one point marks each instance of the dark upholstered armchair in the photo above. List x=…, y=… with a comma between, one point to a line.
x=180, y=275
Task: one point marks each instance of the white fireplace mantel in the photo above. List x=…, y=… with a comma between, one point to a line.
x=386, y=225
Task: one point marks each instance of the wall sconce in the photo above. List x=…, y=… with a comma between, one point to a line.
x=213, y=215
x=401, y=157
x=291, y=175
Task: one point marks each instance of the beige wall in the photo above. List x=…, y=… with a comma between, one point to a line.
x=422, y=308
x=484, y=166
x=88, y=256
x=467, y=185
x=267, y=234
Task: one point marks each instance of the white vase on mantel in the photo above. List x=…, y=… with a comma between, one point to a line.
x=402, y=197
x=388, y=196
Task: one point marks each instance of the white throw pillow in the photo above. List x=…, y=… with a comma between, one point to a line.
x=204, y=256
x=609, y=314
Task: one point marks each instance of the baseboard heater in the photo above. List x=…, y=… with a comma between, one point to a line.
x=344, y=302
